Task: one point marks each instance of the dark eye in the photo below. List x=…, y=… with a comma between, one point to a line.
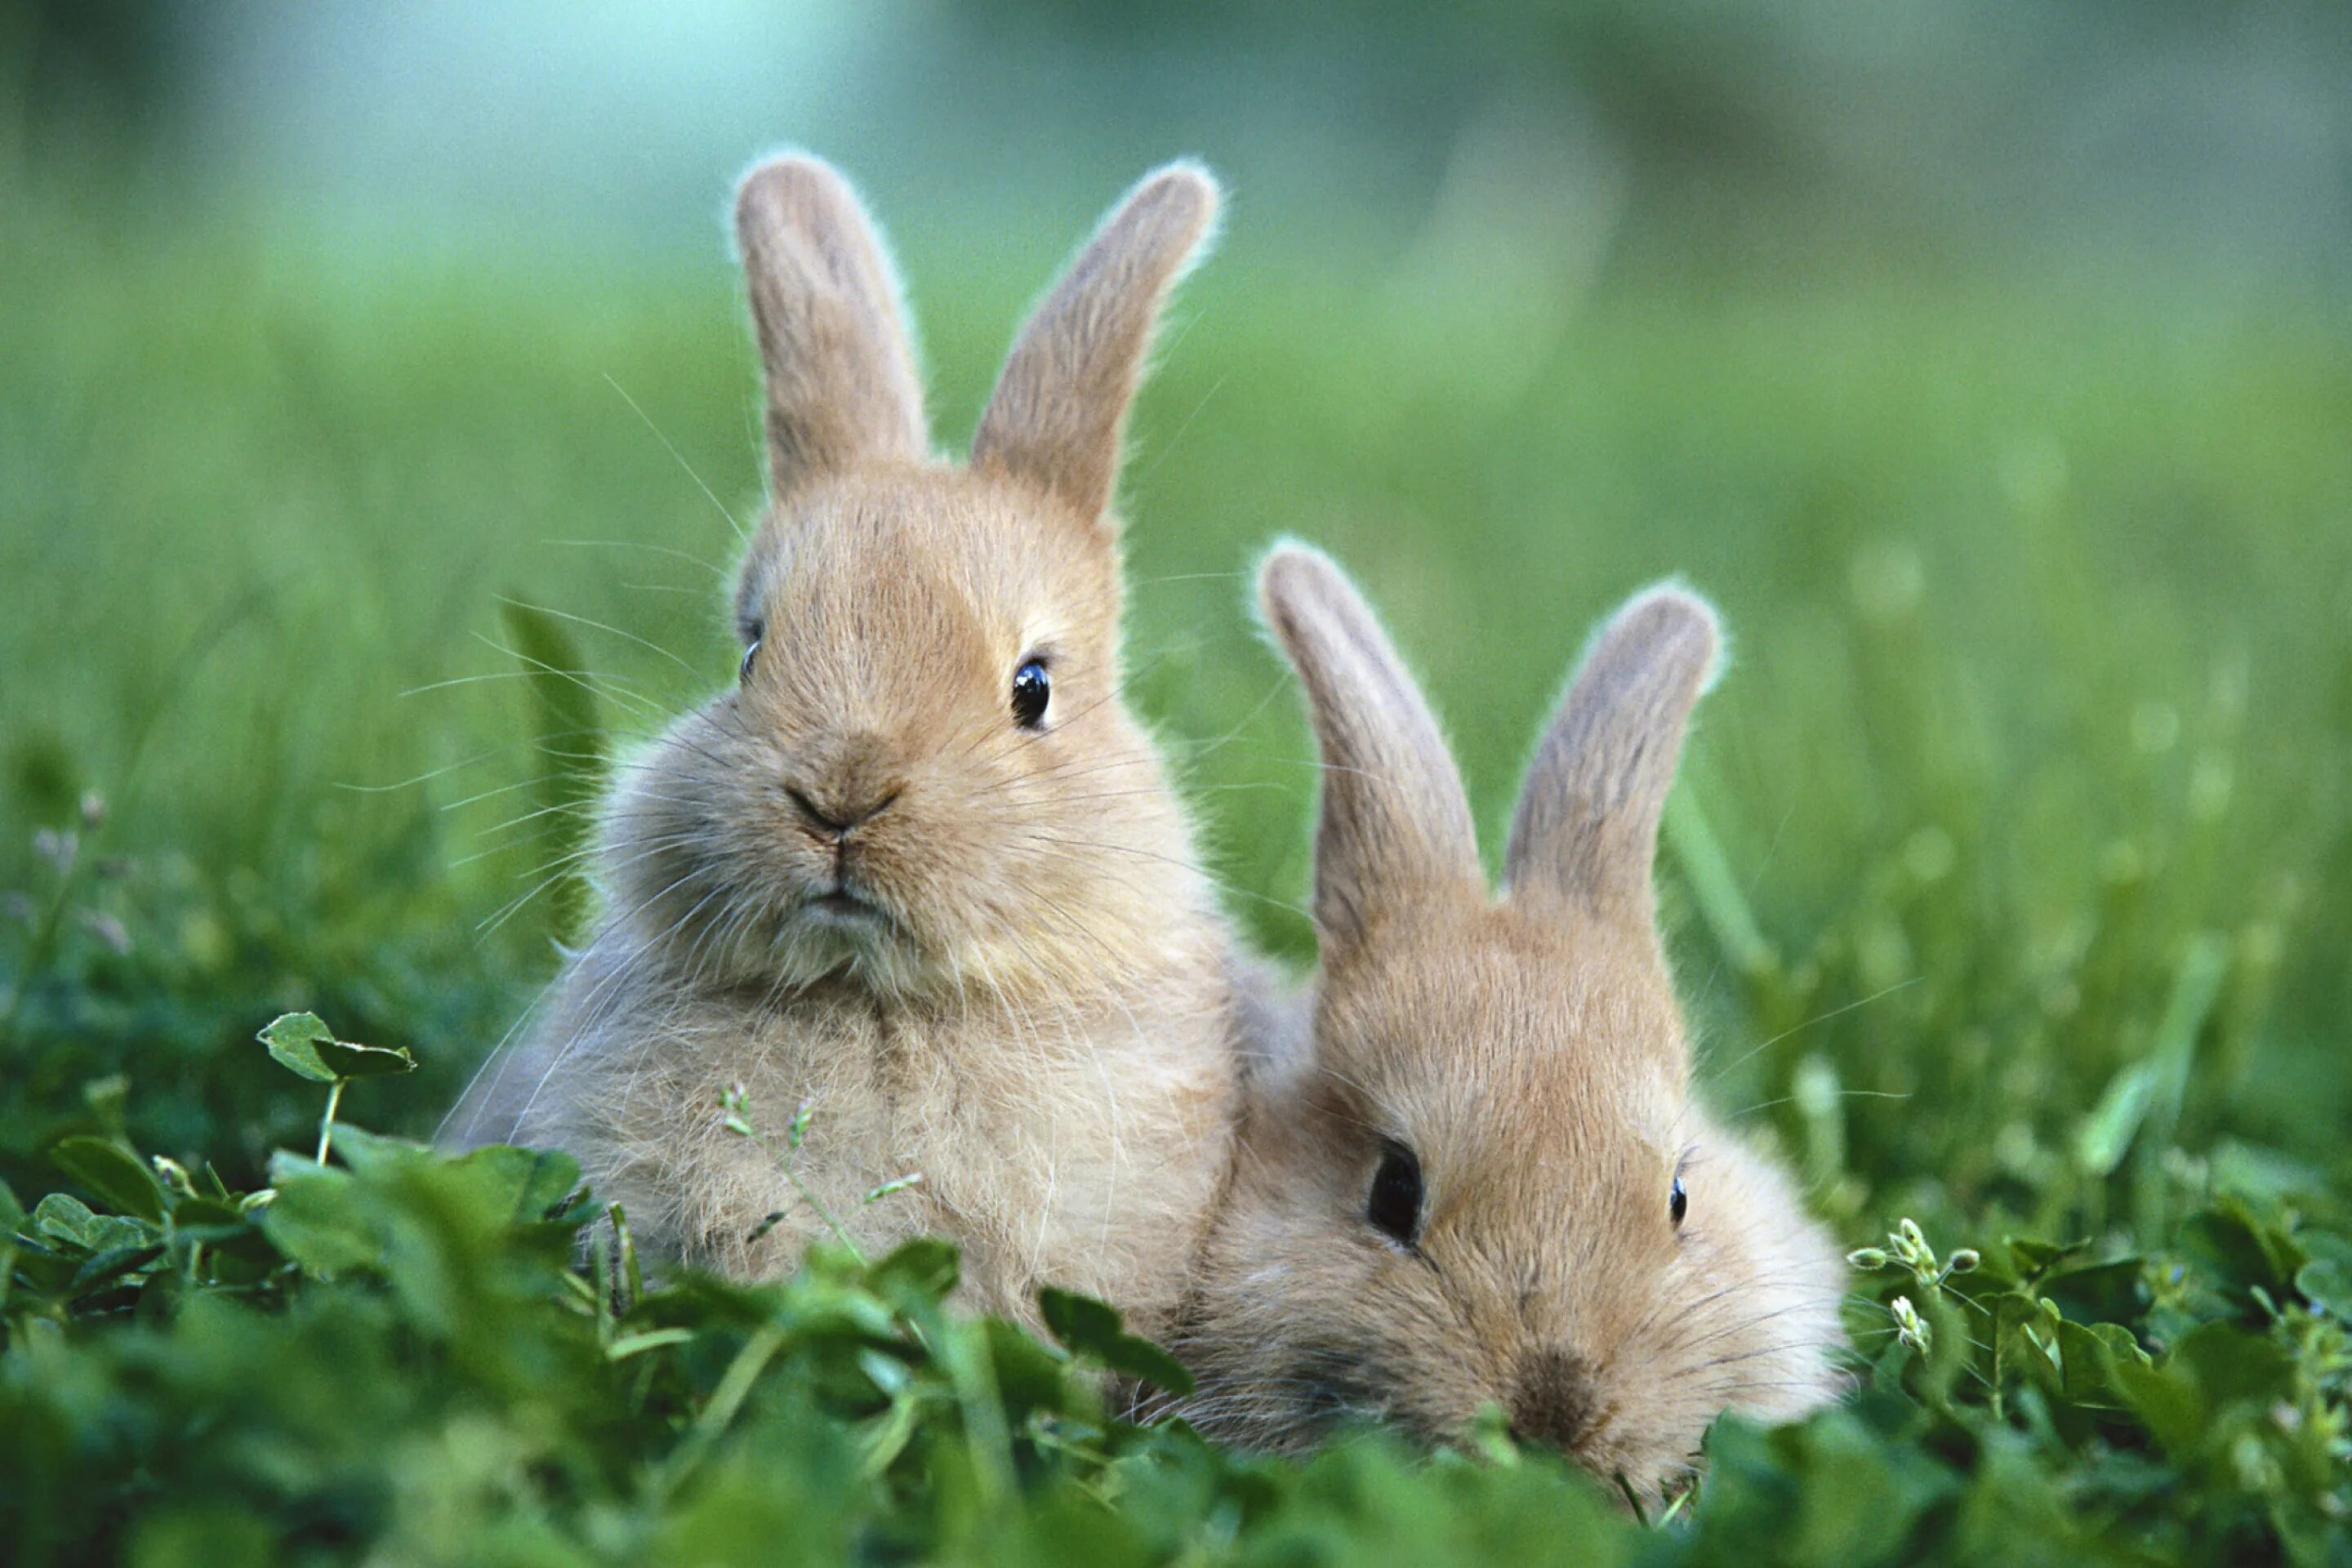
x=1394, y=1206
x=1031, y=692
x=750, y=656
x=1677, y=1203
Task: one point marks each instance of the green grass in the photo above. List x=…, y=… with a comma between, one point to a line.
x=2010, y=879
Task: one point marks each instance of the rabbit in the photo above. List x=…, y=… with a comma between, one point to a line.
x=1480, y=1177
x=916, y=895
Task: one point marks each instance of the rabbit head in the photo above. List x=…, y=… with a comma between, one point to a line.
x=925, y=776
x=1484, y=1181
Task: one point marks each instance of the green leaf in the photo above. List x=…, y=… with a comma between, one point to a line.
x=927, y=1267
x=103, y=1268
x=293, y=1039
x=1093, y=1330
x=1722, y=902
x=374, y=1154
x=2110, y=1292
x=499, y=1182
x=2033, y=1257
x=114, y=1173
x=12, y=1212
x=61, y=1217
x=1828, y=1490
x=2236, y=1253
x=190, y=1212
x=570, y=737
x=318, y=1219
x=302, y=1044
x=531, y=1184
x=368, y=1061
x=2091, y=1355
x=2196, y=985
x=2106, y=1134
x=1030, y=1376
x=629, y=1345
x=45, y=1271
x=2326, y=1284
x=2183, y=1397
x=209, y=1221
x=885, y=1436
x=521, y=1190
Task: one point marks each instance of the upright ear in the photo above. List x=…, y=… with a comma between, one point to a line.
x=1395, y=824
x=1059, y=407
x=842, y=387
x=1586, y=831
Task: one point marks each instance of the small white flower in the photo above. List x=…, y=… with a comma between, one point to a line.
x=1909, y=1327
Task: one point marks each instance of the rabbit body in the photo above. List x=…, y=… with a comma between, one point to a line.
x=1057, y=1143
x=915, y=899
x=1482, y=1179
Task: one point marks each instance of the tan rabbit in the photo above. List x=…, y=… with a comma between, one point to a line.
x=920, y=872
x=1484, y=1180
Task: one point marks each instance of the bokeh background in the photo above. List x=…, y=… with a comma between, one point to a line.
x=1988, y=362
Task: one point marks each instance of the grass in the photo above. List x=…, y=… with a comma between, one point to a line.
x=2010, y=881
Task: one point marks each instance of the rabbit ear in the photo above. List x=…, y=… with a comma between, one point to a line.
x=1395, y=823
x=842, y=387
x=1059, y=407
x=1587, y=826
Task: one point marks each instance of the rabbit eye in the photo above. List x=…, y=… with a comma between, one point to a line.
x=1677, y=1203
x=1031, y=691
x=750, y=656
x=1394, y=1206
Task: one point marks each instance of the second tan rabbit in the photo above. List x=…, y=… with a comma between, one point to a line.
x=1483, y=1178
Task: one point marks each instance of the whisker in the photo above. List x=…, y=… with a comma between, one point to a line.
x=1823, y=1018
x=741, y=535
x=716, y=571
x=600, y=626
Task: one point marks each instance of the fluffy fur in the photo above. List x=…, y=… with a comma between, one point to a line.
x=1529, y=1052
x=975, y=951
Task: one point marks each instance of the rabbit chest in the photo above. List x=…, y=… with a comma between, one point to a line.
x=1066, y=1145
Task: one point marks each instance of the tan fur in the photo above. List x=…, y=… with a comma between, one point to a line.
x=1531, y=1052
x=840, y=377
x=1031, y=1005
x=1059, y=407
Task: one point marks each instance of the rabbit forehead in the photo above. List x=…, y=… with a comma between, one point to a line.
x=1489, y=1012
x=927, y=563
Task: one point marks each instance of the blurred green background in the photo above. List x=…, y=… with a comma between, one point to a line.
x=1988, y=362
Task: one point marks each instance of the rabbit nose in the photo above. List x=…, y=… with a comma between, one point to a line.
x=1554, y=1401
x=849, y=778
x=837, y=815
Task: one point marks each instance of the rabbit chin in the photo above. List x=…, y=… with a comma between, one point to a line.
x=837, y=935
